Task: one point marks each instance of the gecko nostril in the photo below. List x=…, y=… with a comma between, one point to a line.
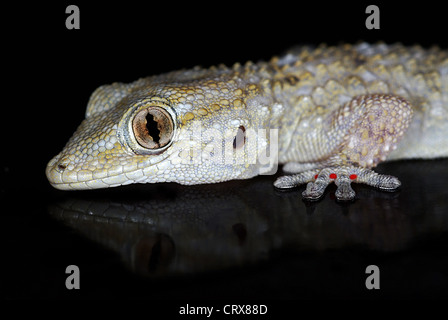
x=62, y=165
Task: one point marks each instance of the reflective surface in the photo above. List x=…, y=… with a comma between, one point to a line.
x=237, y=239
x=171, y=229
x=226, y=231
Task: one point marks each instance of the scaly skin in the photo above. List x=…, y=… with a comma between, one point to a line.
x=339, y=111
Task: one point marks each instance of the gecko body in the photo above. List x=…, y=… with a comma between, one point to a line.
x=330, y=114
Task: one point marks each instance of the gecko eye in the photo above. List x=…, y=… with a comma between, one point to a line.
x=153, y=127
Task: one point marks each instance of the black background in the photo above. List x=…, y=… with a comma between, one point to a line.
x=49, y=73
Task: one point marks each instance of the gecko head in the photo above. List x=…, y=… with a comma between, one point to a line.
x=189, y=133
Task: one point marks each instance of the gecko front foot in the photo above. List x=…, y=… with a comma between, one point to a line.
x=360, y=135
x=318, y=180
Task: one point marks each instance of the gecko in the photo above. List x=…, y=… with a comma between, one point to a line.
x=328, y=114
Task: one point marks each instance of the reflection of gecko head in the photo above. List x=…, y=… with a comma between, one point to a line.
x=152, y=253
x=170, y=229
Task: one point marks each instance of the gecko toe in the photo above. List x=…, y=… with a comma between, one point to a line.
x=381, y=181
x=344, y=191
x=286, y=182
x=314, y=190
x=291, y=181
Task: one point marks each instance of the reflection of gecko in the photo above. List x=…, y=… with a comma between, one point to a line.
x=339, y=110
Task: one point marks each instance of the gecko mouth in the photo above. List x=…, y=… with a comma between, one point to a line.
x=64, y=175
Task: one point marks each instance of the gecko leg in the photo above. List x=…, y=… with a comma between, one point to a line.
x=375, y=124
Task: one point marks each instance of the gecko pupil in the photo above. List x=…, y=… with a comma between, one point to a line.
x=152, y=126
